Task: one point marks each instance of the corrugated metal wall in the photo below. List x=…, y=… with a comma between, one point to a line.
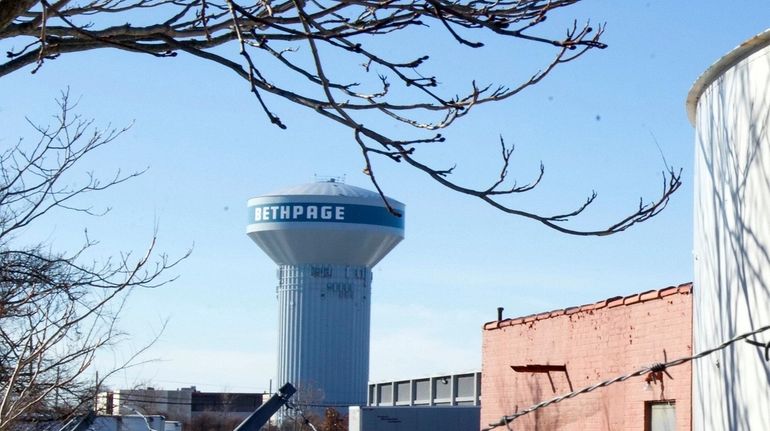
x=323, y=341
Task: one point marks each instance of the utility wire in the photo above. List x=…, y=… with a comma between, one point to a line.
x=218, y=385
x=233, y=401
x=305, y=420
x=659, y=367
x=321, y=404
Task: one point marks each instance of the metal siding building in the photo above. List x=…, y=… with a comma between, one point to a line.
x=462, y=389
x=418, y=418
x=325, y=238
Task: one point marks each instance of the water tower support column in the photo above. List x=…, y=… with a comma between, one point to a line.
x=324, y=314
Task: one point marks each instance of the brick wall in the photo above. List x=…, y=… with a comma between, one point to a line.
x=595, y=342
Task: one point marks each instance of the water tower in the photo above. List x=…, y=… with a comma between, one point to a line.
x=325, y=238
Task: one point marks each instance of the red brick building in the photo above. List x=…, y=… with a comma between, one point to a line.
x=535, y=358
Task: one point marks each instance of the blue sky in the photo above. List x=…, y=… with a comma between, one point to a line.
x=594, y=123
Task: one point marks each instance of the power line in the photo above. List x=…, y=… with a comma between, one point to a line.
x=235, y=396
x=660, y=367
x=294, y=407
x=139, y=399
x=321, y=404
x=196, y=384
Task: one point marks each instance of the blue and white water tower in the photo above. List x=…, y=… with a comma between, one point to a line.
x=325, y=238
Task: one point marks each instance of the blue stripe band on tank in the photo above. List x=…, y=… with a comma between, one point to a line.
x=323, y=213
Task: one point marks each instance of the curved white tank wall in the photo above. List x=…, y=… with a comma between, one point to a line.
x=325, y=237
x=730, y=108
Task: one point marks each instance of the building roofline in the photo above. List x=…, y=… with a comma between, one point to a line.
x=426, y=377
x=615, y=301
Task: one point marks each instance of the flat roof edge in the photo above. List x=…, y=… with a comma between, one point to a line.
x=732, y=58
x=615, y=301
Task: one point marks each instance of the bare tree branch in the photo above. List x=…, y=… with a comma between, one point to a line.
x=57, y=311
x=301, y=42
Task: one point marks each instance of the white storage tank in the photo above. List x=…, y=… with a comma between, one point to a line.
x=729, y=105
x=325, y=238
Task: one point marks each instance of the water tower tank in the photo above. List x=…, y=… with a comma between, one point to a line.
x=325, y=238
x=729, y=105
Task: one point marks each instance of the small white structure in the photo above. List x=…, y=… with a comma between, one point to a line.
x=183, y=405
x=729, y=105
x=325, y=238
x=173, y=404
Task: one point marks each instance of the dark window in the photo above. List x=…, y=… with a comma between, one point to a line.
x=465, y=386
x=402, y=391
x=442, y=387
x=422, y=391
x=385, y=394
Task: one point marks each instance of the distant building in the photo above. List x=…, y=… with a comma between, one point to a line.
x=95, y=422
x=173, y=404
x=445, y=402
x=462, y=389
x=416, y=418
x=39, y=425
x=185, y=404
x=538, y=357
